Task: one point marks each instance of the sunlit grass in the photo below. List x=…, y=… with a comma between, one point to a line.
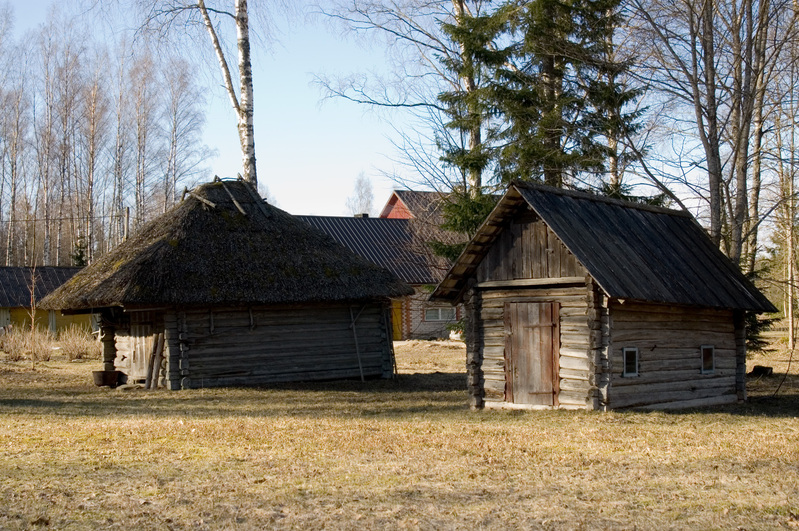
x=382, y=454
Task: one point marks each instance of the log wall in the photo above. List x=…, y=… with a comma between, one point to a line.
x=525, y=252
x=668, y=339
x=235, y=346
x=576, y=368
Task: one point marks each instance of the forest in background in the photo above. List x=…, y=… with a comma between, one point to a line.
x=96, y=138
x=690, y=102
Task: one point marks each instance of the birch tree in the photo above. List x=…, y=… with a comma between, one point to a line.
x=93, y=139
x=362, y=198
x=183, y=121
x=144, y=107
x=178, y=15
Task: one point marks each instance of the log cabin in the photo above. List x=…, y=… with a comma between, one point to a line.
x=226, y=290
x=579, y=301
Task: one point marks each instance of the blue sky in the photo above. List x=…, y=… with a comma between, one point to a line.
x=309, y=152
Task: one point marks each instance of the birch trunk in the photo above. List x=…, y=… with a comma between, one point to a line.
x=243, y=104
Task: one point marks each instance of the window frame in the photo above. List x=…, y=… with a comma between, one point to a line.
x=624, y=352
x=702, y=368
x=441, y=319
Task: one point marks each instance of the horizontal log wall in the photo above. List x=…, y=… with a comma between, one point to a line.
x=577, y=367
x=668, y=339
x=237, y=346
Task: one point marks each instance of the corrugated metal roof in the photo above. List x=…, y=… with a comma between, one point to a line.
x=390, y=243
x=633, y=251
x=15, y=283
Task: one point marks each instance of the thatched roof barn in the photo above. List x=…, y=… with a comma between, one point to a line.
x=581, y=301
x=242, y=293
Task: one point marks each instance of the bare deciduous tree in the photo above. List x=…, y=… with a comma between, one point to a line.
x=183, y=120
x=362, y=199
x=164, y=16
x=713, y=61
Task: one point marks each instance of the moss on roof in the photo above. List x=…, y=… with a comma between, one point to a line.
x=198, y=254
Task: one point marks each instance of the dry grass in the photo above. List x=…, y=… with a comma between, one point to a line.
x=77, y=343
x=385, y=454
x=25, y=344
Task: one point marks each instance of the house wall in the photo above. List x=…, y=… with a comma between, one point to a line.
x=576, y=370
x=235, y=346
x=528, y=249
x=395, y=209
x=415, y=324
x=20, y=318
x=668, y=339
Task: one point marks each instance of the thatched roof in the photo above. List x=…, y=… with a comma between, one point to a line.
x=224, y=245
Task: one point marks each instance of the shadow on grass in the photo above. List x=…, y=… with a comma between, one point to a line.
x=408, y=394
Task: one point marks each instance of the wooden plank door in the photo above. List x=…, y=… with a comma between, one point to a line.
x=396, y=319
x=532, y=345
x=141, y=336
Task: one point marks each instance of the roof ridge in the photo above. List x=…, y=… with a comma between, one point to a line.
x=589, y=196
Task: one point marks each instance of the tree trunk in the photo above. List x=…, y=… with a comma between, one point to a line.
x=246, y=130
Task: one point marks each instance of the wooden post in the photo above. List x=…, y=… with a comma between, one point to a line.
x=155, y=373
x=599, y=354
x=109, y=346
x=354, y=318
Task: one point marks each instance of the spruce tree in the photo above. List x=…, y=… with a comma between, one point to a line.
x=466, y=145
x=558, y=94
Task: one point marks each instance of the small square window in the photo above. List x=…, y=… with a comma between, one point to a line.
x=708, y=354
x=630, y=355
x=439, y=314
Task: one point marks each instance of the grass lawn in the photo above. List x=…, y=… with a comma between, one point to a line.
x=385, y=454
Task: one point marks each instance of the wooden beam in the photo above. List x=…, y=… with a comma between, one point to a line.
x=528, y=282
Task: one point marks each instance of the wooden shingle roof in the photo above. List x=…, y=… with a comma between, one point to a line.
x=15, y=283
x=389, y=243
x=633, y=251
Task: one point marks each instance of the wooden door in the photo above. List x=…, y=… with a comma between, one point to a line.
x=396, y=319
x=141, y=335
x=532, y=344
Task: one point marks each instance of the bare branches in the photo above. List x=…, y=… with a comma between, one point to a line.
x=220, y=55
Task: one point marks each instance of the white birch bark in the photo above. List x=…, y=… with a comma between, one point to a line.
x=243, y=103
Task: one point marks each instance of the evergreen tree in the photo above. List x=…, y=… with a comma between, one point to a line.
x=466, y=144
x=465, y=107
x=558, y=92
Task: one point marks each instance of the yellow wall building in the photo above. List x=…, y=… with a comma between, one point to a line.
x=15, y=298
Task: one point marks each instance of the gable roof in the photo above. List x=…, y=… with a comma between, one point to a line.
x=15, y=283
x=224, y=245
x=388, y=242
x=425, y=206
x=633, y=251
